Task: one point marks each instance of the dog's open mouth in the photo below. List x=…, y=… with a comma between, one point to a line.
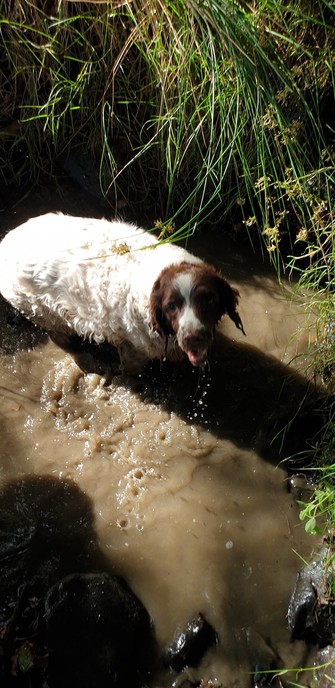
x=197, y=357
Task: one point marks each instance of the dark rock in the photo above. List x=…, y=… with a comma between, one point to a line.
x=310, y=616
x=300, y=487
x=266, y=668
x=98, y=633
x=266, y=679
x=303, y=602
x=189, y=645
x=324, y=673
x=59, y=629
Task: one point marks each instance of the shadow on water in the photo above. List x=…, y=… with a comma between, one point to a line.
x=18, y=333
x=243, y=396
x=61, y=607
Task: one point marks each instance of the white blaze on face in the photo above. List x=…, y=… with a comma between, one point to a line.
x=192, y=336
x=189, y=324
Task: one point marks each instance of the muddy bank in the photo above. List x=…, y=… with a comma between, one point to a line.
x=186, y=474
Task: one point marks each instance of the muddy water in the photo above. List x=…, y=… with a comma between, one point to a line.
x=185, y=473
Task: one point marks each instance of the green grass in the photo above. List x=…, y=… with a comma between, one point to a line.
x=319, y=513
x=197, y=113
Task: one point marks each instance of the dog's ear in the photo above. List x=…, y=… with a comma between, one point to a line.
x=158, y=322
x=229, y=299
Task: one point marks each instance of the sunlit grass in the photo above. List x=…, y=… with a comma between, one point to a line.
x=191, y=113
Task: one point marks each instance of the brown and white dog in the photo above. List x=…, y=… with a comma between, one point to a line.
x=114, y=283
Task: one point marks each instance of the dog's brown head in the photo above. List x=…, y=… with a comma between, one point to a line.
x=188, y=300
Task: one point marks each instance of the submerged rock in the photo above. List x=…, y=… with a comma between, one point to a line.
x=190, y=644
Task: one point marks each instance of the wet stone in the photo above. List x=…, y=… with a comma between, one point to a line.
x=310, y=616
x=265, y=676
x=324, y=674
x=188, y=682
x=190, y=644
x=300, y=487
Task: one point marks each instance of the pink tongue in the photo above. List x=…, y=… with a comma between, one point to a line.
x=197, y=358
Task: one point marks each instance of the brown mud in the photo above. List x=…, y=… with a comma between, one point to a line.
x=186, y=472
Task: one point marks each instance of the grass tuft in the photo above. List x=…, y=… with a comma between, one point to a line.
x=196, y=112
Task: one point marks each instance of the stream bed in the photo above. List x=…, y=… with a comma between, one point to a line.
x=177, y=480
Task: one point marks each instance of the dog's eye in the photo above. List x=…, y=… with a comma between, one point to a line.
x=171, y=307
